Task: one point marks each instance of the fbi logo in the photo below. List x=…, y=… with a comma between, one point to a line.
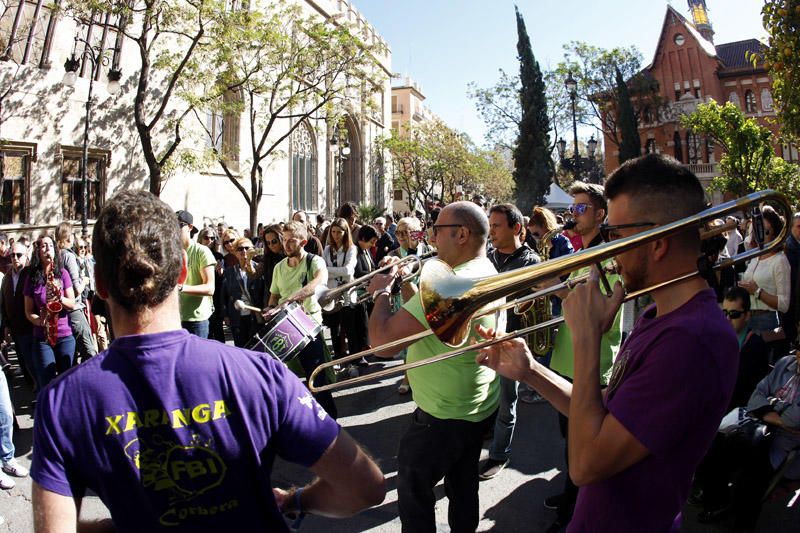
x=194, y=469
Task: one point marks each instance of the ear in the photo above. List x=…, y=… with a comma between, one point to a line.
x=517, y=229
x=600, y=215
x=184, y=268
x=660, y=249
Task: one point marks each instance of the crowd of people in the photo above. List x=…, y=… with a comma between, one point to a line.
x=173, y=430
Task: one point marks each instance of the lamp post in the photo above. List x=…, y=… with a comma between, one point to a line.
x=341, y=151
x=97, y=57
x=577, y=164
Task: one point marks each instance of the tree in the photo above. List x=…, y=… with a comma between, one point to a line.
x=533, y=166
x=748, y=162
x=781, y=19
x=280, y=68
x=631, y=145
x=169, y=36
x=499, y=107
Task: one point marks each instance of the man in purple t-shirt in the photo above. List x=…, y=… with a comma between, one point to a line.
x=634, y=447
x=174, y=432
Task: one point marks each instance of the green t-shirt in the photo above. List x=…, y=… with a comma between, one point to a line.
x=457, y=388
x=563, y=360
x=197, y=308
x=288, y=280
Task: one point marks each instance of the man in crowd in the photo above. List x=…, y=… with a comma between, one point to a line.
x=13, y=310
x=391, y=227
x=173, y=431
x=589, y=209
x=634, y=447
x=313, y=246
x=197, y=290
x=81, y=330
x=386, y=242
x=455, y=398
x=5, y=259
x=296, y=279
x=509, y=253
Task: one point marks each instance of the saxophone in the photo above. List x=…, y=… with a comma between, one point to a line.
x=541, y=341
x=51, y=309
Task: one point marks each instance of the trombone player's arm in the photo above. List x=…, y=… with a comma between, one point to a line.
x=385, y=327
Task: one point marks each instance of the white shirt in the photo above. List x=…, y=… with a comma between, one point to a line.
x=341, y=265
x=773, y=275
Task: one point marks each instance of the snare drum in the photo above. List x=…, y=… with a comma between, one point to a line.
x=286, y=334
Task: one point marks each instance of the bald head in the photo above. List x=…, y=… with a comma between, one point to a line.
x=472, y=217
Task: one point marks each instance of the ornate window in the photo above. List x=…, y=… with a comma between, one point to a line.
x=72, y=184
x=676, y=139
x=766, y=100
x=734, y=99
x=26, y=31
x=749, y=101
x=15, y=162
x=377, y=170
x=693, y=148
x=304, y=169
x=222, y=130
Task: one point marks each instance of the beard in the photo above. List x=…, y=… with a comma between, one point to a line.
x=634, y=277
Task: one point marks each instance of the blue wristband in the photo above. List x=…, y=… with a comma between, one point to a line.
x=298, y=507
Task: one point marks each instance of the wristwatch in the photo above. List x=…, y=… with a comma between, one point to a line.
x=758, y=293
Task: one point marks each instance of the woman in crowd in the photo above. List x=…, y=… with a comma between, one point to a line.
x=229, y=237
x=340, y=258
x=208, y=237
x=767, y=279
x=49, y=286
x=237, y=286
x=263, y=267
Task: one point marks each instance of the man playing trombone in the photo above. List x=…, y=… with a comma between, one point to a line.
x=455, y=398
x=634, y=447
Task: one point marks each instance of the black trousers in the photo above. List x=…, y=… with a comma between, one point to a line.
x=570, y=489
x=433, y=449
x=311, y=357
x=243, y=331
x=350, y=321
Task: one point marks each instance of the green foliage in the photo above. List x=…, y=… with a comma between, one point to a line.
x=533, y=166
x=500, y=108
x=367, y=213
x=781, y=19
x=631, y=145
x=749, y=162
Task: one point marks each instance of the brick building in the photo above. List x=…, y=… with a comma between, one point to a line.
x=688, y=68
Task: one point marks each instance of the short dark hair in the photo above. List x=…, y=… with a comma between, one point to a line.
x=138, y=250
x=367, y=233
x=739, y=294
x=665, y=190
x=347, y=210
x=594, y=191
x=512, y=213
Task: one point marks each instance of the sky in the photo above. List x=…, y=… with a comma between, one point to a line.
x=445, y=44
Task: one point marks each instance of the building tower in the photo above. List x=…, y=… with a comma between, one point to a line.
x=700, y=19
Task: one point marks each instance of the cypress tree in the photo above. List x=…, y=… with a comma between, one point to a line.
x=533, y=166
x=630, y=145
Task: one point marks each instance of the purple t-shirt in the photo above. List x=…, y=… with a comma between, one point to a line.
x=670, y=386
x=177, y=433
x=39, y=295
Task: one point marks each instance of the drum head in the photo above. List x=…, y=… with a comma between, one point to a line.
x=286, y=334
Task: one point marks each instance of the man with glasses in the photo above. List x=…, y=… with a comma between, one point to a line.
x=634, y=447
x=589, y=209
x=13, y=310
x=456, y=398
x=198, y=288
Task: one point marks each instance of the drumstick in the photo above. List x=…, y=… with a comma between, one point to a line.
x=240, y=305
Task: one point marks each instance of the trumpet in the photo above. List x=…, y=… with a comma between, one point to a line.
x=451, y=302
x=331, y=300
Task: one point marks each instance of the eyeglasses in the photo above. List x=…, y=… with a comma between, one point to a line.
x=579, y=209
x=401, y=233
x=207, y=237
x=81, y=247
x=229, y=241
x=273, y=242
x=733, y=313
x=18, y=255
x=244, y=248
x=606, y=229
x=437, y=227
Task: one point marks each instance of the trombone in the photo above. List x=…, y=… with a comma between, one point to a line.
x=451, y=302
x=332, y=300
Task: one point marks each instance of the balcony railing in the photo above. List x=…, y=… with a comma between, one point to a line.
x=702, y=169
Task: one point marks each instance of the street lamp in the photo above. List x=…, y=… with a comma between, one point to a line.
x=577, y=164
x=97, y=57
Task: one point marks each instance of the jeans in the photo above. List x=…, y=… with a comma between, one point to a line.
x=6, y=422
x=500, y=449
x=23, y=344
x=430, y=450
x=82, y=332
x=196, y=327
x=48, y=360
x=761, y=321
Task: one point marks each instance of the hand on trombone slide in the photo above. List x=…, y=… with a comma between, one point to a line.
x=587, y=309
x=510, y=358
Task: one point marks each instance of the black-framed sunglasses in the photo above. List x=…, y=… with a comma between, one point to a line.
x=733, y=313
x=244, y=248
x=437, y=227
x=207, y=237
x=17, y=255
x=607, y=229
x=229, y=241
x=273, y=242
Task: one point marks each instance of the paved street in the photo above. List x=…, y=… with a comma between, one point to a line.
x=377, y=416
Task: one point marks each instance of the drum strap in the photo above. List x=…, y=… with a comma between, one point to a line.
x=309, y=257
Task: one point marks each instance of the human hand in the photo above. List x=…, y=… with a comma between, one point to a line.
x=382, y=281
x=510, y=358
x=282, y=498
x=587, y=310
x=388, y=260
x=749, y=285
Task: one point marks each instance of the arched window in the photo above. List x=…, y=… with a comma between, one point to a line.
x=749, y=101
x=766, y=100
x=693, y=148
x=676, y=139
x=650, y=146
x=304, y=167
x=710, y=151
x=734, y=99
x=647, y=115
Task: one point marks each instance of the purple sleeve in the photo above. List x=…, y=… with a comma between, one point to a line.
x=48, y=467
x=660, y=400
x=27, y=289
x=306, y=430
x=66, y=281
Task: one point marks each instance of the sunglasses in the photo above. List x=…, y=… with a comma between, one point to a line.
x=437, y=227
x=579, y=209
x=606, y=230
x=733, y=313
x=273, y=242
x=207, y=238
x=229, y=241
x=244, y=248
x=18, y=255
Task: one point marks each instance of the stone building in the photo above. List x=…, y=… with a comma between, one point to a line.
x=42, y=126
